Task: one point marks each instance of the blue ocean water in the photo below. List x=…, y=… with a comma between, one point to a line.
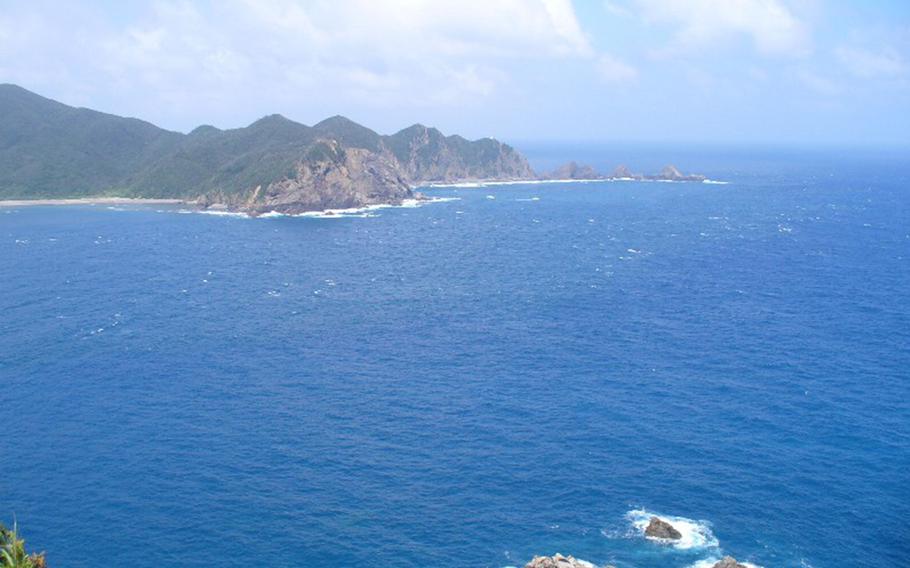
x=513, y=372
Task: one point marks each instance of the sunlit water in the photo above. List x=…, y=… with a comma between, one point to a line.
x=521, y=370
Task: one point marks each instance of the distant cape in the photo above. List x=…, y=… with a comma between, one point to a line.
x=51, y=150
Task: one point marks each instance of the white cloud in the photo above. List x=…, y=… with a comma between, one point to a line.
x=868, y=64
x=189, y=55
x=614, y=70
x=770, y=25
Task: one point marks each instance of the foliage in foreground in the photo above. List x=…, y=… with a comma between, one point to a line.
x=12, y=551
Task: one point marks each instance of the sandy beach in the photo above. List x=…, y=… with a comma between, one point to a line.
x=89, y=201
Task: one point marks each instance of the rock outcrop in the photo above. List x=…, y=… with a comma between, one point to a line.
x=573, y=170
x=670, y=173
x=558, y=561
x=659, y=528
x=622, y=172
x=334, y=177
x=426, y=155
x=728, y=562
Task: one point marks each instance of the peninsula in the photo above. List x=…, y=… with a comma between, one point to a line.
x=54, y=153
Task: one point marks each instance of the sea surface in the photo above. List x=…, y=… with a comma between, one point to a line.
x=514, y=370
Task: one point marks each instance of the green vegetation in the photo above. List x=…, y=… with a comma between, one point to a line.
x=13, y=553
x=51, y=150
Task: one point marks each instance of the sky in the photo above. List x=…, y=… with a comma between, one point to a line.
x=816, y=72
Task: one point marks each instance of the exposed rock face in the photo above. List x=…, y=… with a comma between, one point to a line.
x=573, y=170
x=558, y=561
x=728, y=562
x=658, y=528
x=426, y=155
x=333, y=177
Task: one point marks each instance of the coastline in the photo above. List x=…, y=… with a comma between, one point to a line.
x=90, y=201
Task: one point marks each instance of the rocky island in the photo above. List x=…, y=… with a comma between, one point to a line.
x=575, y=171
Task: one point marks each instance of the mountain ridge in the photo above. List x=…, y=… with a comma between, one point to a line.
x=52, y=150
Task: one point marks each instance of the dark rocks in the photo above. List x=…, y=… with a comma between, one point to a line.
x=659, y=528
x=728, y=562
x=557, y=561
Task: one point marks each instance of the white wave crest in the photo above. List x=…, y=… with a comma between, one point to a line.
x=217, y=213
x=695, y=534
x=715, y=182
x=366, y=211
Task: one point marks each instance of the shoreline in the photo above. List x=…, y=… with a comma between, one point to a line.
x=90, y=201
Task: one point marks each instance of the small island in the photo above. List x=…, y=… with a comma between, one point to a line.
x=575, y=171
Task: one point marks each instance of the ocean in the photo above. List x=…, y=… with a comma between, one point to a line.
x=510, y=370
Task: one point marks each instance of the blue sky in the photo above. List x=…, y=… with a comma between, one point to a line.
x=722, y=71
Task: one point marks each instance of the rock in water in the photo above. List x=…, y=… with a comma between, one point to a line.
x=658, y=528
x=573, y=170
x=622, y=172
x=557, y=561
x=728, y=562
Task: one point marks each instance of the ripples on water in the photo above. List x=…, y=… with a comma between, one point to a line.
x=471, y=382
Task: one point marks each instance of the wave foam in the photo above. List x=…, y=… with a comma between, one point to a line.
x=217, y=213
x=366, y=211
x=695, y=534
x=491, y=183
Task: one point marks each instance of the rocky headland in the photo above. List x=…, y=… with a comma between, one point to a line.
x=50, y=152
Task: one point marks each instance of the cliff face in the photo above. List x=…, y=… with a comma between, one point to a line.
x=48, y=149
x=334, y=177
x=426, y=155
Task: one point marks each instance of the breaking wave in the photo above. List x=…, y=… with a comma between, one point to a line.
x=695, y=534
x=361, y=212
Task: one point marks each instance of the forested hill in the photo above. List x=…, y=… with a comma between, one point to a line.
x=51, y=150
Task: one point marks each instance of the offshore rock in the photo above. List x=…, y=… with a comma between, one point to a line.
x=623, y=172
x=728, y=562
x=659, y=528
x=558, y=561
x=670, y=173
x=574, y=170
